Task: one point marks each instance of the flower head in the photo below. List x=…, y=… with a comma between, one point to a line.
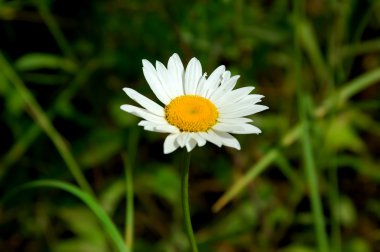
x=196, y=109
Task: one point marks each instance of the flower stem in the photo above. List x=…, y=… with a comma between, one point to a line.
x=185, y=201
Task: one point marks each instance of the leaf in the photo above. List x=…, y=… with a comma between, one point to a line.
x=341, y=135
x=346, y=212
x=297, y=248
x=112, y=195
x=163, y=181
x=86, y=198
x=90, y=236
x=100, y=146
x=79, y=245
x=34, y=61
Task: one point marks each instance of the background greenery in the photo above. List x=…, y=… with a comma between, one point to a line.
x=63, y=65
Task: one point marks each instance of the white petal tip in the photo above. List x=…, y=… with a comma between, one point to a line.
x=127, y=91
x=126, y=108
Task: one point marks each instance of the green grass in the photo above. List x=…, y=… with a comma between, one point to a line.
x=309, y=182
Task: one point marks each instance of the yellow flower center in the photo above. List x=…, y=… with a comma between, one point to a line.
x=191, y=113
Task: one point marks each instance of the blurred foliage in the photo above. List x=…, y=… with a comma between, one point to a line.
x=74, y=58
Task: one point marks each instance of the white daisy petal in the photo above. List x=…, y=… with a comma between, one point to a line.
x=143, y=113
x=237, y=128
x=247, y=129
x=182, y=139
x=211, y=137
x=167, y=82
x=226, y=76
x=170, y=143
x=192, y=76
x=176, y=72
x=233, y=96
x=248, y=99
x=224, y=88
x=154, y=82
x=228, y=140
x=228, y=127
x=147, y=103
x=215, y=78
x=245, y=112
x=244, y=103
x=191, y=143
x=201, y=88
x=147, y=125
x=200, y=140
x=166, y=128
x=235, y=120
x=162, y=128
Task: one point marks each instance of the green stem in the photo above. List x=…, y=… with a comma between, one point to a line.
x=185, y=201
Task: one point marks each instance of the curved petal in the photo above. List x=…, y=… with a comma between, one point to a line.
x=244, y=112
x=167, y=81
x=191, y=143
x=227, y=127
x=143, y=113
x=182, y=139
x=154, y=82
x=224, y=88
x=247, y=129
x=211, y=137
x=170, y=143
x=233, y=96
x=200, y=140
x=192, y=76
x=201, y=88
x=237, y=128
x=235, y=120
x=226, y=76
x=244, y=103
x=176, y=72
x=228, y=140
x=145, y=102
x=214, y=79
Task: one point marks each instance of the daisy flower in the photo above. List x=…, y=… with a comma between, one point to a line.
x=196, y=109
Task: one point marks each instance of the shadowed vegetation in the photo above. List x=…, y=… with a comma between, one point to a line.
x=309, y=182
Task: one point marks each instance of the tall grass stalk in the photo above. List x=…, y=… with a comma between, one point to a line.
x=309, y=164
x=22, y=144
x=129, y=162
x=54, y=29
x=44, y=122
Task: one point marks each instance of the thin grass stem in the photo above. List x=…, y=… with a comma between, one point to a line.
x=310, y=166
x=129, y=161
x=44, y=122
x=54, y=29
x=33, y=131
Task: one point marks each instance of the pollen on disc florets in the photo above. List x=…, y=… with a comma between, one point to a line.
x=191, y=113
